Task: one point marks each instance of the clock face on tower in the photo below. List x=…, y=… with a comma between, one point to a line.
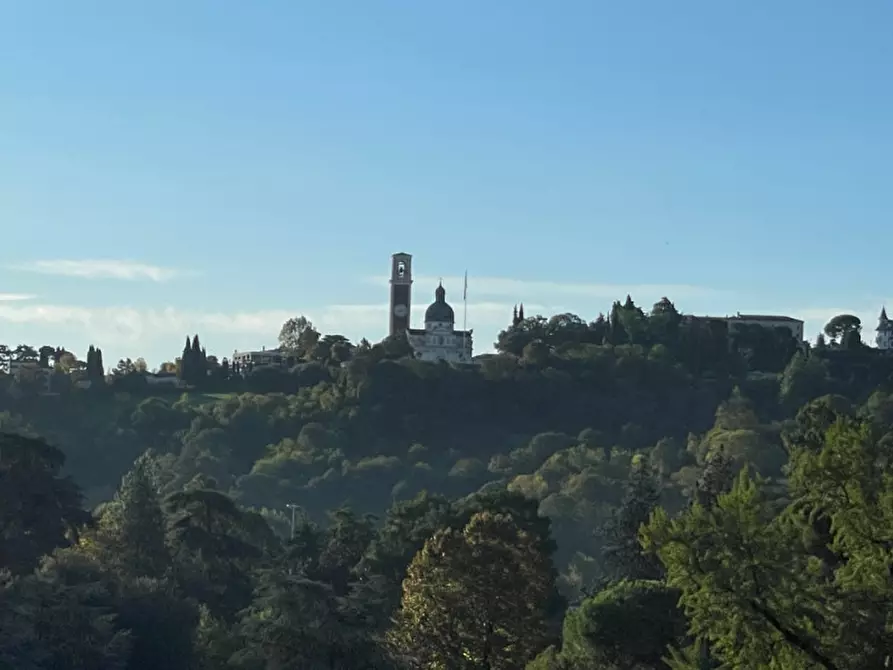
x=400, y=311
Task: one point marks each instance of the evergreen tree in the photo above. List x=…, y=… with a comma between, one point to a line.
x=616, y=332
x=716, y=479
x=622, y=553
x=185, y=371
x=99, y=367
x=133, y=524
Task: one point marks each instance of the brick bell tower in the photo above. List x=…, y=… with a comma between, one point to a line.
x=401, y=293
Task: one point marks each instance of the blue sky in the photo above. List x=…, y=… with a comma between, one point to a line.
x=169, y=167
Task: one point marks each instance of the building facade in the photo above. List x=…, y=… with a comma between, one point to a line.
x=438, y=340
x=884, y=337
x=401, y=294
x=250, y=360
x=770, y=321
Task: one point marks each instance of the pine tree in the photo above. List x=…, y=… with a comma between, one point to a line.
x=133, y=525
x=622, y=553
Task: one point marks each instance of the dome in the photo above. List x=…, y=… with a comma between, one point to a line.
x=439, y=309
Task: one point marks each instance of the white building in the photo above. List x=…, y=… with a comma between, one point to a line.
x=884, y=337
x=439, y=340
x=251, y=360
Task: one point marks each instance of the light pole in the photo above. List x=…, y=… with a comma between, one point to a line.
x=293, y=507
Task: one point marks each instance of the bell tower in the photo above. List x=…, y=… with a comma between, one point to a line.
x=401, y=293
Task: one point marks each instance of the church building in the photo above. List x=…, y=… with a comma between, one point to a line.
x=438, y=340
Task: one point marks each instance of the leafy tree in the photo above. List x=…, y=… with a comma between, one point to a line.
x=627, y=626
x=475, y=598
x=299, y=337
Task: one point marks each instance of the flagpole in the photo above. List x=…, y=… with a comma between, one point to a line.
x=465, y=314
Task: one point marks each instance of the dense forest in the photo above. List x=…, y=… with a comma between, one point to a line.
x=643, y=491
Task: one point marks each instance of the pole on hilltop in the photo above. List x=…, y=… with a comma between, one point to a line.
x=465, y=314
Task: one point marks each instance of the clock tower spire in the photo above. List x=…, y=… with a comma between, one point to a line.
x=401, y=293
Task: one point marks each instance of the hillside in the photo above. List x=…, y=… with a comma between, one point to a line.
x=344, y=466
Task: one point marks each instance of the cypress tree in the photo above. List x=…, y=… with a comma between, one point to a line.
x=186, y=368
x=91, y=363
x=100, y=368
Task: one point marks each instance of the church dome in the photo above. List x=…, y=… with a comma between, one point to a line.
x=439, y=310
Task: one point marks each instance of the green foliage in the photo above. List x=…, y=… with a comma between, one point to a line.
x=302, y=516
x=38, y=508
x=475, y=598
x=628, y=625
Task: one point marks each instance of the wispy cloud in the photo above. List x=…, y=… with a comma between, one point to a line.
x=14, y=297
x=100, y=269
x=534, y=290
x=129, y=331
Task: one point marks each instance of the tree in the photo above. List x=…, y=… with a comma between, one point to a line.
x=622, y=553
x=132, y=529
x=39, y=509
x=25, y=354
x=627, y=626
x=68, y=363
x=804, y=378
x=95, y=368
x=215, y=545
x=748, y=587
x=124, y=367
x=186, y=370
x=838, y=327
x=298, y=337
x=44, y=355
x=475, y=598
x=406, y=527
x=716, y=479
x=61, y=617
x=295, y=622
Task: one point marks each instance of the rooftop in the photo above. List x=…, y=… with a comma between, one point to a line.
x=765, y=317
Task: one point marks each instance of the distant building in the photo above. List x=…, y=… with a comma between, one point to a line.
x=169, y=379
x=438, y=340
x=251, y=360
x=795, y=326
x=884, y=337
